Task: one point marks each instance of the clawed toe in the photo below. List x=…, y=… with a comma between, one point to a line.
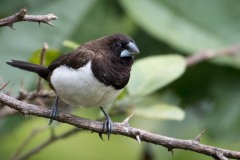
x=54, y=111
x=107, y=125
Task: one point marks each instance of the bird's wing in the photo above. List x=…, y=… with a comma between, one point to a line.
x=74, y=60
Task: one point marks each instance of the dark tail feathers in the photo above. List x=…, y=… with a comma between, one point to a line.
x=42, y=71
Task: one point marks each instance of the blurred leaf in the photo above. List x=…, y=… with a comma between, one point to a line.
x=154, y=107
x=8, y=7
x=163, y=22
x=188, y=25
x=152, y=73
x=159, y=111
x=50, y=55
x=70, y=44
x=103, y=19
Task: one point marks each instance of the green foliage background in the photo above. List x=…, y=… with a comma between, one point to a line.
x=166, y=96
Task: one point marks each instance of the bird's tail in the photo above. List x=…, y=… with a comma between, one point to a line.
x=42, y=71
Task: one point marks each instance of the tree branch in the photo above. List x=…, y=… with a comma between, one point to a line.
x=21, y=16
x=121, y=129
x=209, y=54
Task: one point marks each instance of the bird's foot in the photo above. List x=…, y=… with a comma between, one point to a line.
x=107, y=125
x=54, y=111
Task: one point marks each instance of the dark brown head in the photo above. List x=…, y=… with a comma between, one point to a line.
x=113, y=60
x=117, y=47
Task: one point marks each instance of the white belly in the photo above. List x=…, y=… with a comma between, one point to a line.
x=80, y=88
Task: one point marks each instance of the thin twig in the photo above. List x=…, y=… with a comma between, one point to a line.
x=49, y=141
x=119, y=129
x=21, y=16
x=4, y=86
x=24, y=95
x=209, y=54
x=27, y=141
x=42, y=62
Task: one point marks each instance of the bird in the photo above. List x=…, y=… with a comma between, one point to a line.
x=93, y=75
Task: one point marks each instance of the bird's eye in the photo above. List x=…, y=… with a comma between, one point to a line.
x=117, y=44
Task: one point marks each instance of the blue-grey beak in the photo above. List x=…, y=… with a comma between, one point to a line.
x=131, y=50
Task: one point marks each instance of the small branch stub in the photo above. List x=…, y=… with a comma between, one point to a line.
x=22, y=13
x=198, y=137
x=125, y=121
x=220, y=156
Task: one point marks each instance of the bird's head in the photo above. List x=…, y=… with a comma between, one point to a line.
x=117, y=47
x=123, y=45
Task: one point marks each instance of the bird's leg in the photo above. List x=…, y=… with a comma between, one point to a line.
x=107, y=125
x=54, y=111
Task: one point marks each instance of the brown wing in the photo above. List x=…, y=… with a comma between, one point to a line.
x=75, y=60
x=58, y=62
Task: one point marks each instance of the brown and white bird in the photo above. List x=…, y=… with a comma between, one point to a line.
x=92, y=75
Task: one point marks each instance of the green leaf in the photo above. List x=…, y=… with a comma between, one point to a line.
x=154, y=106
x=161, y=21
x=189, y=25
x=50, y=55
x=70, y=44
x=152, y=73
x=159, y=111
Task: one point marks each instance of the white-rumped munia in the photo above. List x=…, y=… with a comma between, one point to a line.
x=92, y=75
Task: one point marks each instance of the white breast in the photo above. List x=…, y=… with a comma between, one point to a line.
x=80, y=87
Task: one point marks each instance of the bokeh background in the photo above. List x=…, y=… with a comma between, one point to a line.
x=167, y=97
